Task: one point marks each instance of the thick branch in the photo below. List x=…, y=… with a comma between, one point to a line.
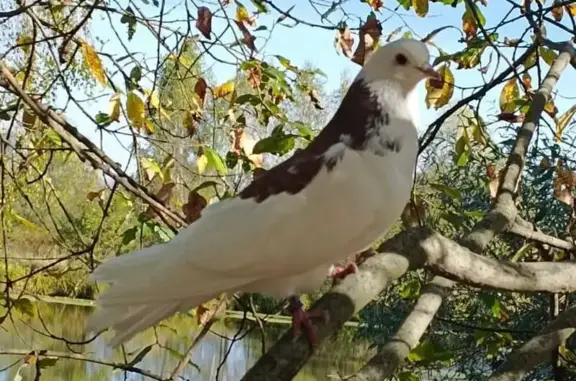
x=422, y=247
x=93, y=154
x=391, y=355
x=537, y=350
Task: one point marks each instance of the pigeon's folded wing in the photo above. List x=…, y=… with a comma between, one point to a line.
x=240, y=240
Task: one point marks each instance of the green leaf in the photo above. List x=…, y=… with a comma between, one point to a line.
x=25, y=306
x=129, y=235
x=408, y=376
x=103, y=119
x=136, y=74
x=47, y=362
x=129, y=19
x=278, y=144
x=215, y=161
x=260, y=6
x=286, y=63
x=411, y=290
x=548, y=55
x=231, y=159
x=140, y=356
x=304, y=130
x=454, y=193
x=29, y=224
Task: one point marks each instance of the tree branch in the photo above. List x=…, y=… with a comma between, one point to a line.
x=93, y=154
x=80, y=357
x=539, y=349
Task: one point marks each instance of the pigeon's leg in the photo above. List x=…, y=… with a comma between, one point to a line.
x=341, y=271
x=302, y=318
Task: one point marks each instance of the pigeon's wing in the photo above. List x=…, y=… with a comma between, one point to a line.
x=298, y=215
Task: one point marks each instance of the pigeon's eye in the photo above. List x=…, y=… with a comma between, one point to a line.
x=401, y=59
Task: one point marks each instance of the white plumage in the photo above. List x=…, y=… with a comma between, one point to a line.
x=285, y=244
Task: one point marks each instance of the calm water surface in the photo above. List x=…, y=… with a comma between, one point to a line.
x=342, y=354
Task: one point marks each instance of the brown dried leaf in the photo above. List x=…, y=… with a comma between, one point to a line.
x=557, y=11
x=375, y=4
x=254, y=77
x=244, y=142
x=204, y=21
x=193, y=208
x=247, y=37
x=163, y=195
x=344, y=41
x=370, y=34
x=200, y=90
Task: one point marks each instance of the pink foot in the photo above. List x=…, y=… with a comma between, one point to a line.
x=302, y=318
x=341, y=271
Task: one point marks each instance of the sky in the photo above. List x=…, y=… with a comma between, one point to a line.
x=303, y=44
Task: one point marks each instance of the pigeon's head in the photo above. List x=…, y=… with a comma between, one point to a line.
x=406, y=61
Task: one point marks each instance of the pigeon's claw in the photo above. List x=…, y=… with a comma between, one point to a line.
x=341, y=271
x=302, y=318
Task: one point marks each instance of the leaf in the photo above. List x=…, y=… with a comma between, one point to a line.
x=114, y=107
x=136, y=74
x=370, y=34
x=24, y=221
x=224, y=89
x=129, y=235
x=344, y=41
x=285, y=62
x=510, y=92
x=47, y=362
x=200, y=90
x=557, y=11
x=277, y=144
x=25, y=306
x=243, y=16
x=244, y=144
x=410, y=290
x=284, y=15
x=439, y=97
x=130, y=19
x=247, y=37
x=140, y=356
x=562, y=122
x=201, y=163
x=215, y=161
x=548, y=55
x=189, y=122
x=452, y=192
x=193, y=208
x=420, y=7
x=204, y=21
x=135, y=110
x=93, y=62
x=164, y=194
x=151, y=168
x=571, y=9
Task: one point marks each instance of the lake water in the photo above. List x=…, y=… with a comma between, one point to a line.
x=342, y=354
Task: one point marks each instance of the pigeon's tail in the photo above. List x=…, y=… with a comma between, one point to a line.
x=135, y=301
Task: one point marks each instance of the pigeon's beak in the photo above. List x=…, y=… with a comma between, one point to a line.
x=429, y=71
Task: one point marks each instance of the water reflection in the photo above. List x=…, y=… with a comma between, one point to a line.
x=341, y=354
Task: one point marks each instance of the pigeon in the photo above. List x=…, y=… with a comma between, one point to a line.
x=282, y=233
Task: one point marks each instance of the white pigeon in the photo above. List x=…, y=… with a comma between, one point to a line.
x=282, y=233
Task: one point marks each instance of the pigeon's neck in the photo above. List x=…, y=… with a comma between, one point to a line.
x=399, y=103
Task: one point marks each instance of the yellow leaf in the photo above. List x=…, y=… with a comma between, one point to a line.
x=548, y=55
x=224, y=89
x=94, y=64
x=420, y=7
x=243, y=16
x=152, y=98
x=376, y=4
x=114, y=107
x=135, y=109
x=202, y=162
x=439, y=93
x=563, y=121
x=509, y=94
x=572, y=9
